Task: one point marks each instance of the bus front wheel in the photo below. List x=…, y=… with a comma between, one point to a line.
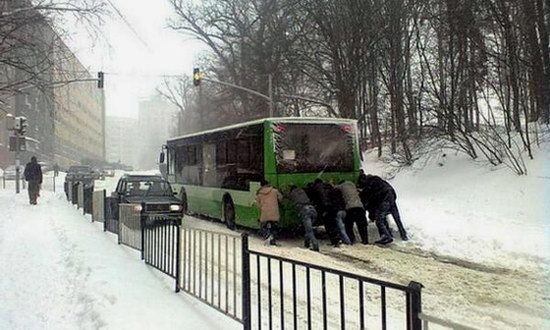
x=229, y=212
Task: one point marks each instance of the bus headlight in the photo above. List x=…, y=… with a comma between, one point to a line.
x=137, y=208
x=175, y=207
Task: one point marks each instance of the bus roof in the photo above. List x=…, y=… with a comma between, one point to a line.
x=311, y=120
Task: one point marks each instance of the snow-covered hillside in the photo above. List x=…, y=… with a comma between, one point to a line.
x=460, y=209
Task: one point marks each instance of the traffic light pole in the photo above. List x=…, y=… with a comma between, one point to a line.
x=251, y=91
x=17, y=162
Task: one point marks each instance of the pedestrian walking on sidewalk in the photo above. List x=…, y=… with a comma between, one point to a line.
x=33, y=175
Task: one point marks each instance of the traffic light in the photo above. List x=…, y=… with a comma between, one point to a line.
x=21, y=125
x=197, y=76
x=100, y=79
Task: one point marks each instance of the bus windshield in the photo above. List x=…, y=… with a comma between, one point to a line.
x=310, y=148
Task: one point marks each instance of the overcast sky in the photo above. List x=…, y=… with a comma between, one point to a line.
x=131, y=65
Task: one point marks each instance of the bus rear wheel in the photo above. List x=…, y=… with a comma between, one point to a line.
x=229, y=212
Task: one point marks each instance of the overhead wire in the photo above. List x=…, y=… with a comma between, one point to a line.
x=136, y=34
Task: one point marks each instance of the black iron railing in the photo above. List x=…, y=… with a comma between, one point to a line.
x=261, y=290
x=212, y=269
x=129, y=230
x=160, y=247
x=286, y=293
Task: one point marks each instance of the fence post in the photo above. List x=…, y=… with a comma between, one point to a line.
x=178, y=252
x=92, y=204
x=245, y=275
x=142, y=225
x=119, y=222
x=54, y=183
x=415, y=291
x=105, y=210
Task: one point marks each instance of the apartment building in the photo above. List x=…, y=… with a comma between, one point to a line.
x=158, y=121
x=122, y=143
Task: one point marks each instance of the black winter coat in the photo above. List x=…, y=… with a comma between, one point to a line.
x=33, y=172
x=326, y=198
x=374, y=191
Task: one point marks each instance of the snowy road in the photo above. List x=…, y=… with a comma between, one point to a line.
x=59, y=271
x=472, y=294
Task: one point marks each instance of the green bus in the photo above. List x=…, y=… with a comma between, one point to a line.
x=216, y=173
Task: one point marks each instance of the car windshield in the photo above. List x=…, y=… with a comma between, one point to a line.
x=148, y=188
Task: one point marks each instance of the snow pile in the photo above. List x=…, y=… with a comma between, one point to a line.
x=456, y=208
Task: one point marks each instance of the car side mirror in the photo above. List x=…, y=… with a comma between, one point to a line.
x=161, y=158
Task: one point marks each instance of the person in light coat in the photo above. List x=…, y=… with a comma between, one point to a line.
x=355, y=212
x=268, y=199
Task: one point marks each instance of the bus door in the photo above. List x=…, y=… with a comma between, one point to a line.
x=209, y=175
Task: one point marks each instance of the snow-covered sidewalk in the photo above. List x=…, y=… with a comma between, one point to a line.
x=59, y=271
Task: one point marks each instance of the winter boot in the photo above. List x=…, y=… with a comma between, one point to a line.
x=385, y=240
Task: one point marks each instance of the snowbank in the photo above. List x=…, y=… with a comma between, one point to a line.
x=456, y=208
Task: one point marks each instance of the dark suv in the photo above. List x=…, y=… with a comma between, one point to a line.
x=152, y=190
x=81, y=173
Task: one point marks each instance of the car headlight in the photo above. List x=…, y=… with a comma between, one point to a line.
x=175, y=207
x=137, y=208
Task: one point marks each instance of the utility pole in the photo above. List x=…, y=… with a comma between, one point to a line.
x=270, y=87
x=198, y=76
x=17, y=161
x=201, y=112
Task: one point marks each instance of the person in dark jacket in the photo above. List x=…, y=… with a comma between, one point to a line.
x=331, y=208
x=33, y=175
x=355, y=212
x=56, y=169
x=379, y=198
x=306, y=210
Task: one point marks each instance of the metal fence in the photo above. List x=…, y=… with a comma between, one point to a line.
x=161, y=244
x=80, y=195
x=98, y=206
x=111, y=223
x=129, y=222
x=288, y=293
x=257, y=289
x=74, y=192
x=212, y=269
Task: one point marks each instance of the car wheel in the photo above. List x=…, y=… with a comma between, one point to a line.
x=229, y=212
x=183, y=199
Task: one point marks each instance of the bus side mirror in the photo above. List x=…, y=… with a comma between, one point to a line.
x=161, y=157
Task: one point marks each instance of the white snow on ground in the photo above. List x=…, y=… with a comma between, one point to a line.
x=477, y=213
x=59, y=271
x=480, y=244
